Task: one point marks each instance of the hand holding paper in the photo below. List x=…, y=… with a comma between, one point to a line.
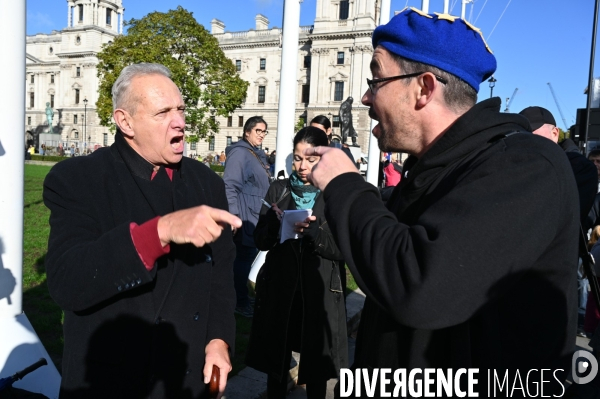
x=289, y=220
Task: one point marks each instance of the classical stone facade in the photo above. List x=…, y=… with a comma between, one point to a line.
x=333, y=64
x=61, y=70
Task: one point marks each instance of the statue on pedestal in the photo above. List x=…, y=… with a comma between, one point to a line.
x=346, y=122
x=49, y=116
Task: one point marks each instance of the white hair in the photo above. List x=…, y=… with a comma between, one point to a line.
x=120, y=89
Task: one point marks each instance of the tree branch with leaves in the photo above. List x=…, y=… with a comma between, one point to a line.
x=209, y=83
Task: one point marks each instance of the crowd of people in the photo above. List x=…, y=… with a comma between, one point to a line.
x=469, y=263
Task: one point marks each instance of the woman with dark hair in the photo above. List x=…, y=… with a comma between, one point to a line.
x=300, y=303
x=246, y=180
x=323, y=123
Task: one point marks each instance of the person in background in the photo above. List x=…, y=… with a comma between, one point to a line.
x=393, y=173
x=222, y=158
x=592, y=313
x=247, y=180
x=594, y=156
x=300, y=302
x=322, y=122
x=272, y=158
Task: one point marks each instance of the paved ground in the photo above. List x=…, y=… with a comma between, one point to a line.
x=299, y=392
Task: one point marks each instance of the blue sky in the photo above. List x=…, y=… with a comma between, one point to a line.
x=534, y=41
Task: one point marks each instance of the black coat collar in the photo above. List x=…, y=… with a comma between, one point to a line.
x=136, y=164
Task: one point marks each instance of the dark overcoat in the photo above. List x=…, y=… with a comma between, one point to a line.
x=129, y=332
x=312, y=268
x=473, y=263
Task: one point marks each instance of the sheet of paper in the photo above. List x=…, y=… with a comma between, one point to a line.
x=288, y=221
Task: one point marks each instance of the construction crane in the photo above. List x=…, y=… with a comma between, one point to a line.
x=558, y=106
x=510, y=100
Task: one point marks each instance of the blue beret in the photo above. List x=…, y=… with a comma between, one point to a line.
x=441, y=40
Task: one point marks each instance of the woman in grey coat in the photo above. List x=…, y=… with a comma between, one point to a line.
x=247, y=180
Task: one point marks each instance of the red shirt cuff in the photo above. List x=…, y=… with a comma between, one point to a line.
x=146, y=242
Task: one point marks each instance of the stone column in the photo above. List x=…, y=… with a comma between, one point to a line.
x=121, y=21
x=69, y=17
x=314, y=76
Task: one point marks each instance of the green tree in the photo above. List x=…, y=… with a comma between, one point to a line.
x=300, y=124
x=562, y=134
x=207, y=79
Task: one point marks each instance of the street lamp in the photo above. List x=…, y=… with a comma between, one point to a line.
x=492, y=81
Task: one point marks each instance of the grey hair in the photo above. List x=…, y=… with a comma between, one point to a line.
x=458, y=94
x=120, y=89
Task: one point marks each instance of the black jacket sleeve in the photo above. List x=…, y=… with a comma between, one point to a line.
x=84, y=265
x=437, y=272
x=586, y=177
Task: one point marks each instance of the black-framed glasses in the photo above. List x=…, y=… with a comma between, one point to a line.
x=261, y=132
x=372, y=83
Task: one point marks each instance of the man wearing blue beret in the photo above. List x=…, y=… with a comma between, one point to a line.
x=472, y=263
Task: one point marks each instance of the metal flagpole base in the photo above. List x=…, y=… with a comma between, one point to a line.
x=19, y=348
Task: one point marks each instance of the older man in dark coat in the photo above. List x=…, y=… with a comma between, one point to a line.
x=140, y=254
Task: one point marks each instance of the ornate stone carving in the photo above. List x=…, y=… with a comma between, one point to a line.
x=319, y=51
x=362, y=49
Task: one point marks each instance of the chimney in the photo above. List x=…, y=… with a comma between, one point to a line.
x=262, y=22
x=217, y=26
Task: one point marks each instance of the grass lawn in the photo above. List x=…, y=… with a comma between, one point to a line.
x=45, y=316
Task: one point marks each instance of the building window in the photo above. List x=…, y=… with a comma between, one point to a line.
x=32, y=79
x=339, y=91
x=51, y=50
x=74, y=119
x=340, y=58
x=29, y=120
x=240, y=121
x=78, y=72
x=336, y=121
x=263, y=64
x=105, y=139
x=305, y=93
x=193, y=146
x=108, y=16
x=51, y=78
x=80, y=6
x=229, y=141
x=261, y=94
x=77, y=95
x=76, y=135
x=238, y=65
x=51, y=100
x=229, y=121
x=344, y=7
x=211, y=143
x=31, y=99
x=307, y=61
x=78, y=40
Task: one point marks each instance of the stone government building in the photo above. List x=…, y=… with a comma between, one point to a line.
x=333, y=64
x=61, y=70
